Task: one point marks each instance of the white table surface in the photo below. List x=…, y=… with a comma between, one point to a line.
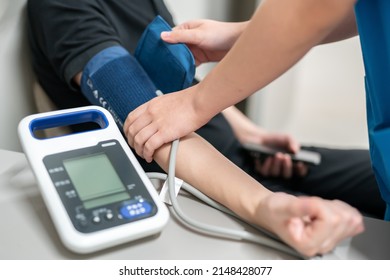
x=27, y=231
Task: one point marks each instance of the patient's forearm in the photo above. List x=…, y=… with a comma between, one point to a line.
x=199, y=164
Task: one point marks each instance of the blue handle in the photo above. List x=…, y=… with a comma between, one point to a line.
x=67, y=119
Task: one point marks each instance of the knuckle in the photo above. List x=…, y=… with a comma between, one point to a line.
x=336, y=219
x=356, y=221
x=130, y=131
x=138, y=140
x=149, y=148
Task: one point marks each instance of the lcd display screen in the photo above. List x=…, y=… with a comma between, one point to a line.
x=95, y=180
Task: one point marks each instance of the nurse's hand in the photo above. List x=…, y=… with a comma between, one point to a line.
x=208, y=40
x=162, y=120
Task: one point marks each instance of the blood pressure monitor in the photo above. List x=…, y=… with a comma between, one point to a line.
x=95, y=190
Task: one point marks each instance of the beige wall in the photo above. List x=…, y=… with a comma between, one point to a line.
x=321, y=100
x=15, y=73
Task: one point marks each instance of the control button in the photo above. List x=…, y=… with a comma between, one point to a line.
x=109, y=216
x=135, y=210
x=96, y=219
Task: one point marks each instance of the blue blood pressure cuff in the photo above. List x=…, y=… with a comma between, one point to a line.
x=120, y=82
x=116, y=81
x=170, y=66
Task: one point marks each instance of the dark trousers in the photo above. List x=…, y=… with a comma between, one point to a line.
x=343, y=174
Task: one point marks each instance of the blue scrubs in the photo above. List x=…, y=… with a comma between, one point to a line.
x=373, y=20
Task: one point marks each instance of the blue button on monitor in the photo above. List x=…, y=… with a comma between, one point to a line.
x=135, y=210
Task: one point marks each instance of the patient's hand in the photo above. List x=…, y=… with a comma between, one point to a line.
x=310, y=224
x=280, y=165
